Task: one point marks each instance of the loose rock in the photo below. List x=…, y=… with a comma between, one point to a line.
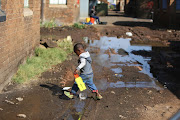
x=112, y=92
x=19, y=99
x=9, y=102
x=21, y=115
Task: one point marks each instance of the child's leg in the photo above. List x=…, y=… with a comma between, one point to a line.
x=88, y=80
x=74, y=88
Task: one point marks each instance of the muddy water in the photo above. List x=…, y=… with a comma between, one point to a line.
x=114, y=53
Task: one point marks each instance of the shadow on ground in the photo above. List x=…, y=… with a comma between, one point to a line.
x=56, y=90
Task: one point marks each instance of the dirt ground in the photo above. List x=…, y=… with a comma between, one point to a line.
x=125, y=97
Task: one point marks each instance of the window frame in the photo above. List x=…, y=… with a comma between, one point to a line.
x=57, y=3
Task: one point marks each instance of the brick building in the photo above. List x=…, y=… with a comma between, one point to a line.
x=167, y=13
x=139, y=8
x=19, y=35
x=63, y=11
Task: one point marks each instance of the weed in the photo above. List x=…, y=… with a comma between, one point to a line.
x=49, y=24
x=43, y=60
x=80, y=26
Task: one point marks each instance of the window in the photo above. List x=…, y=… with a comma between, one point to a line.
x=177, y=4
x=62, y=2
x=26, y=3
x=164, y=4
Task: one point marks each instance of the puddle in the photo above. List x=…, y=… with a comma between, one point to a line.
x=112, y=51
x=120, y=84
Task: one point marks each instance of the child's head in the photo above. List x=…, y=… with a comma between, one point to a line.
x=78, y=48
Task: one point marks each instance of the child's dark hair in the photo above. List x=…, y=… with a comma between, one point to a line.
x=78, y=46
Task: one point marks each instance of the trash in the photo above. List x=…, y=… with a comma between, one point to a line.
x=112, y=92
x=66, y=88
x=139, y=67
x=129, y=34
x=19, y=99
x=82, y=96
x=1, y=109
x=149, y=91
x=21, y=115
x=69, y=39
x=85, y=39
x=9, y=102
x=169, y=31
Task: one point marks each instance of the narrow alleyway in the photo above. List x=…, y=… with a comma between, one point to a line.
x=122, y=73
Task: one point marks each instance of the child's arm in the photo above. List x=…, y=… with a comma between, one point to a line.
x=81, y=65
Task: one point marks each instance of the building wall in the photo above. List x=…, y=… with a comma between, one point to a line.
x=169, y=17
x=63, y=14
x=19, y=35
x=139, y=8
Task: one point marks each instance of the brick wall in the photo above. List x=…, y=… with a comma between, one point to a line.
x=18, y=36
x=63, y=14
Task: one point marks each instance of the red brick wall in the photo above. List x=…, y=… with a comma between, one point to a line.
x=18, y=36
x=63, y=14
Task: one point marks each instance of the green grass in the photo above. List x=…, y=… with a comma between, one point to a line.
x=43, y=60
x=48, y=24
x=79, y=26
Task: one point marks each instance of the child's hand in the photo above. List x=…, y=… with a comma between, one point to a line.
x=76, y=71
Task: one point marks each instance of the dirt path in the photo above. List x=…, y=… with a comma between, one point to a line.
x=124, y=79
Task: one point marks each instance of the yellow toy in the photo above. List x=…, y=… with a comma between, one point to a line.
x=80, y=83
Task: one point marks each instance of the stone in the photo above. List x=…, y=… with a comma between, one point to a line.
x=112, y=92
x=21, y=115
x=122, y=52
x=9, y=102
x=122, y=117
x=19, y=99
x=1, y=109
x=42, y=46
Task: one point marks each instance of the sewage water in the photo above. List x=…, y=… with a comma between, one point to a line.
x=111, y=52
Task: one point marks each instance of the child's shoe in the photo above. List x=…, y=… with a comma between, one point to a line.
x=99, y=97
x=68, y=94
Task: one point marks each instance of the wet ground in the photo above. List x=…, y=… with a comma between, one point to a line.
x=125, y=72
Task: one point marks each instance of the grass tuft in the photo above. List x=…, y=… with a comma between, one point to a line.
x=79, y=26
x=43, y=60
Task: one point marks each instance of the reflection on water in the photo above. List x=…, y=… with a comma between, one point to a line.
x=116, y=44
x=121, y=56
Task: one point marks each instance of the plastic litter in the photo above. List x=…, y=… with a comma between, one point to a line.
x=82, y=96
x=80, y=83
x=66, y=88
x=129, y=34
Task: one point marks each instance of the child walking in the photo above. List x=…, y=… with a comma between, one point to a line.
x=86, y=72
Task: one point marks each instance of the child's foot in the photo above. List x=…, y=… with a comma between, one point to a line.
x=99, y=97
x=68, y=94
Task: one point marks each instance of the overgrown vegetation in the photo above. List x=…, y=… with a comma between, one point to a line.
x=79, y=26
x=49, y=24
x=111, y=7
x=43, y=60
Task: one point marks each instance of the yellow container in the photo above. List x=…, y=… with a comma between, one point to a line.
x=80, y=83
x=87, y=20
